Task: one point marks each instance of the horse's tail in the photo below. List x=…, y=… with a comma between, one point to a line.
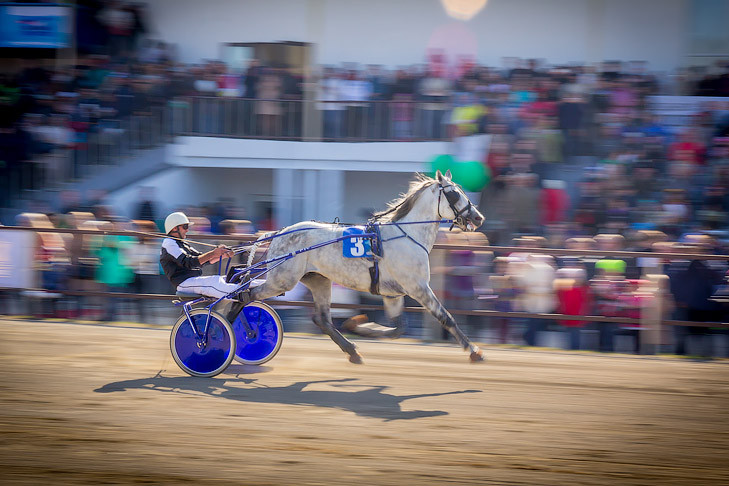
x=254, y=248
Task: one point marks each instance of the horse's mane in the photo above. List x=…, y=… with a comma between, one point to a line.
x=398, y=208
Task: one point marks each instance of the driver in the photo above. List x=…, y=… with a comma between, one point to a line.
x=182, y=263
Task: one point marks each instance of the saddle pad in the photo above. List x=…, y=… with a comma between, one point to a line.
x=355, y=247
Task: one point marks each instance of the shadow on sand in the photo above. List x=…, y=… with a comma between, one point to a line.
x=366, y=400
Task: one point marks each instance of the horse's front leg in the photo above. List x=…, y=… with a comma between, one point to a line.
x=427, y=299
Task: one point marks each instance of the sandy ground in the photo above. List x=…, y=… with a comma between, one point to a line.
x=85, y=404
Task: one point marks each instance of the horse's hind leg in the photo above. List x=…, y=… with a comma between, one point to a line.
x=278, y=281
x=393, y=310
x=427, y=299
x=321, y=291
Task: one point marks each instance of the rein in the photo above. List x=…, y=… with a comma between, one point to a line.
x=406, y=235
x=159, y=235
x=451, y=198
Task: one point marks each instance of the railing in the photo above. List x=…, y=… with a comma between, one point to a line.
x=658, y=321
x=97, y=144
x=310, y=120
x=107, y=140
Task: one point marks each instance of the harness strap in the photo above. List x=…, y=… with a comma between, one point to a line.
x=405, y=235
x=375, y=278
x=377, y=251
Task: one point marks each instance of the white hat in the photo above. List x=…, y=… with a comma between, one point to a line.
x=174, y=220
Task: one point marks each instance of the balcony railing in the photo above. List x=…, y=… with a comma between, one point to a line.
x=310, y=120
x=107, y=140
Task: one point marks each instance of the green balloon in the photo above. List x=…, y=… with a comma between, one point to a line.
x=472, y=176
x=614, y=266
x=441, y=163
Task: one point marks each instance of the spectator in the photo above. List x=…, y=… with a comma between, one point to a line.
x=693, y=286
x=120, y=23
x=331, y=95
x=115, y=267
x=572, y=292
x=147, y=207
x=535, y=277
x=144, y=259
x=504, y=289
x=356, y=91
x=268, y=108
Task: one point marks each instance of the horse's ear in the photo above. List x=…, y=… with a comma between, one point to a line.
x=448, y=174
x=438, y=176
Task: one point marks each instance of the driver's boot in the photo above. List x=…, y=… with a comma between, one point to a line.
x=235, y=308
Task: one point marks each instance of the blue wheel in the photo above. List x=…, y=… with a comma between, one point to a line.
x=262, y=340
x=202, y=357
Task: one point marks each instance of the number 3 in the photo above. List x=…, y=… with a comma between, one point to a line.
x=358, y=250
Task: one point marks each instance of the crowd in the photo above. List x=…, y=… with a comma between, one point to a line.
x=577, y=158
x=539, y=116
x=610, y=285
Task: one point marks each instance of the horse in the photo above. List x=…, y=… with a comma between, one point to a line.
x=408, y=231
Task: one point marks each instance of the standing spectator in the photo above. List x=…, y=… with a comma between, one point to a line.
x=119, y=22
x=206, y=88
x=572, y=293
x=536, y=281
x=268, y=106
x=434, y=92
x=688, y=148
x=251, y=79
x=144, y=256
x=377, y=108
x=139, y=24
x=522, y=203
x=550, y=143
x=571, y=118
x=356, y=91
x=554, y=202
x=693, y=287
x=675, y=212
x=292, y=93
x=115, y=268
x=504, y=289
x=330, y=93
x=606, y=288
x=146, y=208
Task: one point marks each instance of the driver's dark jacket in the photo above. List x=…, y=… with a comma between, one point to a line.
x=179, y=261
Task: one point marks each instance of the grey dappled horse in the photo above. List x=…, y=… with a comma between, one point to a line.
x=404, y=268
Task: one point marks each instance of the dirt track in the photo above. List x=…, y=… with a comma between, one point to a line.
x=85, y=404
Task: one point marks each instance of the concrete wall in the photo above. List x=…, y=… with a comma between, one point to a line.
x=245, y=153
x=401, y=32
x=178, y=188
x=313, y=194
x=303, y=180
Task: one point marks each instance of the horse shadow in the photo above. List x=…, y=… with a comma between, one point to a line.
x=365, y=401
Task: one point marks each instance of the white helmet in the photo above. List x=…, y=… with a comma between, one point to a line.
x=174, y=220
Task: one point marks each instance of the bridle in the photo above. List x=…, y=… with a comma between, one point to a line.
x=452, y=196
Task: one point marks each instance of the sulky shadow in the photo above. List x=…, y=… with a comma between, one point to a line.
x=366, y=400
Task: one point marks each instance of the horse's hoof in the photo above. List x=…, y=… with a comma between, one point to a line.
x=477, y=356
x=355, y=358
x=352, y=323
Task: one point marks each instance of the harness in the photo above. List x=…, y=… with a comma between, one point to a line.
x=452, y=198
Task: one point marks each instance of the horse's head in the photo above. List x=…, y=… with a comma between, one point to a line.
x=464, y=214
